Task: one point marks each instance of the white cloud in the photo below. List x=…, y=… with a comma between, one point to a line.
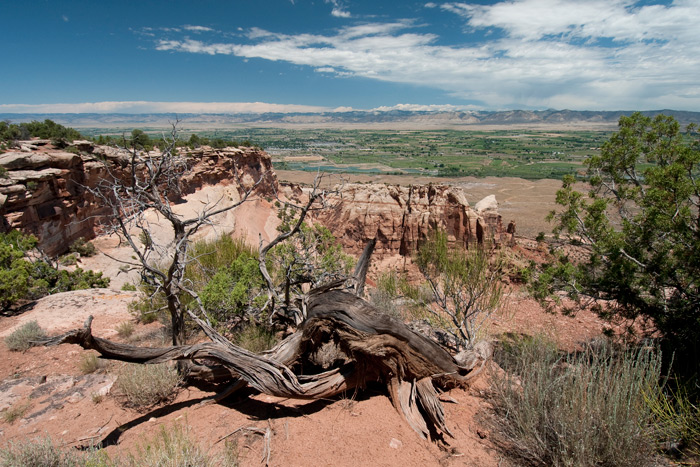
x=137, y=107
x=597, y=54
x=197, y=28
x=338, y=13
x=425, y=108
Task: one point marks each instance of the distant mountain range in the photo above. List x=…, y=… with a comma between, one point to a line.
x=368, y=118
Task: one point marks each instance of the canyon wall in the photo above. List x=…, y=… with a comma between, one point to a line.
x=45, y=191
x=400, y=218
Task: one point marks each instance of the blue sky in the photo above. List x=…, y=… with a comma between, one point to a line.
x=323, y=55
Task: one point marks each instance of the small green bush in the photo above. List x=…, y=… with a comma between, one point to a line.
x=149, y=308
x=146, y=385
x=127, y=287
x=584, y=409
x=83, y=248
x=68, y=260
x=22, y=277
x=21, y=338
x=676, y=419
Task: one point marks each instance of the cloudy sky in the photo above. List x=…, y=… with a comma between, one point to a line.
x=225, y=56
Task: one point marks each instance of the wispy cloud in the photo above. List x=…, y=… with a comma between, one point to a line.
x=598, y=54
x=339, y=11
x=140, y=107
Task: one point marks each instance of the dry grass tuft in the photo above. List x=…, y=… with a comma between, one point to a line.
x=16, y=412
x=146, y=385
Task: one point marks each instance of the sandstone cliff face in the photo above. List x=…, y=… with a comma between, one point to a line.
x=45, y=191
x=402, y=217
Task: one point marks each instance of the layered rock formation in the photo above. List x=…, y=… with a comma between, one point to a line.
x=402, y=217
x=45, y=191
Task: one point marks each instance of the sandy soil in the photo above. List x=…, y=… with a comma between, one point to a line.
x=358, y=429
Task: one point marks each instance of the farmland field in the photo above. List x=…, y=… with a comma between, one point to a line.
x=528, y=154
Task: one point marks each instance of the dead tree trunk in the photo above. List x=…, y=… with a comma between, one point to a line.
x=343, y=338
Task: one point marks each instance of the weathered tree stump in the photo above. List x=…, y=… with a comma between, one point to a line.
x=346, y=341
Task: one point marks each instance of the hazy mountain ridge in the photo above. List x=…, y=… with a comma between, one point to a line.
x=358, y=117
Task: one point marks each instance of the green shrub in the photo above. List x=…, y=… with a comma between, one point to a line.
x=21, y=338
x=677, y=419
x=146, y=385
x=127, y=287
x=232, y=289
x=22, y=277
x=68, y=260
x=467, y=286
x=83, y=248
x=584, y=409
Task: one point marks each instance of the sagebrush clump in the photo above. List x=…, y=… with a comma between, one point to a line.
x=582, y=409
x=22, y=338
x=144, y=386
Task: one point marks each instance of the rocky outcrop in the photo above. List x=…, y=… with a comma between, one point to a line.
x=45, y=191
x=400, y=218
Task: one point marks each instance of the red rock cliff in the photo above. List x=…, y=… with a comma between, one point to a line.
x=401, y=217
x=44, y=191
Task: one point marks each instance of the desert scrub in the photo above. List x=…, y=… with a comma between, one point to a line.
x=15, y=412
x=676, y=420
x=68, y=260
x=39, y=452
x=143, y=386
x=21, y=338
x=582, y=409
x=172, y=446
x=125, y=329
x=255, y=338
x=89, y=363
x=83, y=248
x=43, y=452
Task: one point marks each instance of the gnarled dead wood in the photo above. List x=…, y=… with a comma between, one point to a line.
x=344, y=341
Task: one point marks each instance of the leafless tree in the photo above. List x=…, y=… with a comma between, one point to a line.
x=150, y=183
x=341, y=339
x=300, y=264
